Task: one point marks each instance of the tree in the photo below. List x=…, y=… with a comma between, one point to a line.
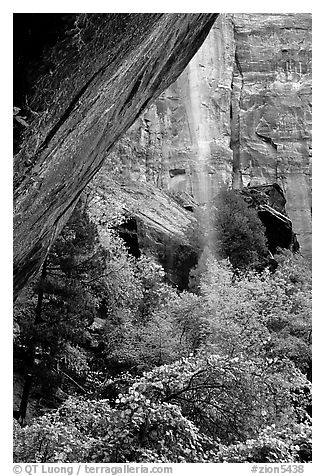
x=229, y=399
x=135, y=429
x=263, y=314
x=238, y=232
x=55, y=312
x=181, y=412
x=212, y=375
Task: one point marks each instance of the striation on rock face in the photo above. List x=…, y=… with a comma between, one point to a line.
x=85, y=86
x=238, y=115
x=181, y=142
x=272, y=100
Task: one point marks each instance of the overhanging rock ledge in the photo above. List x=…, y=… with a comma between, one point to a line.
x=82, y=92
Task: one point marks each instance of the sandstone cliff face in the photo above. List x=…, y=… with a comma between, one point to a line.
x=239, y=115
x=182, y=141
x=83, y=90
x=272, y=110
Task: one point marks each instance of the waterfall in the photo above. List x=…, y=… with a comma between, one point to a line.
x=200, y=134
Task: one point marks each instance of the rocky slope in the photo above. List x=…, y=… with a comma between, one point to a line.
x=239, y=115
x=80, y=82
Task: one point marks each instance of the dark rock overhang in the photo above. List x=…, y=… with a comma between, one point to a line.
x=279, y=232
x=88, y=84
x=269, y=201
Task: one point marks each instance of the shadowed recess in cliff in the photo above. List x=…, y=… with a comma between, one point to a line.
x=270, y=203
x=90, y=76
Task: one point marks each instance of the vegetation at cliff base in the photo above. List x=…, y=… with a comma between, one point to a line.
x=127, y=368
x=238, y=233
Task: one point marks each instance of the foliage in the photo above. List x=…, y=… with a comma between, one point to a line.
x=217, y=374
x=55, y=311
x=238, y=232
x=260, y=314
x=175, y=413
x=175, y=329
x=93, y=431
x=273, y=445
x=229, y=398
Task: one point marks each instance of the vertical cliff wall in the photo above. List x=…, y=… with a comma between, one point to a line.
x=239, y=114
x=183, y=141
x=271, y=106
